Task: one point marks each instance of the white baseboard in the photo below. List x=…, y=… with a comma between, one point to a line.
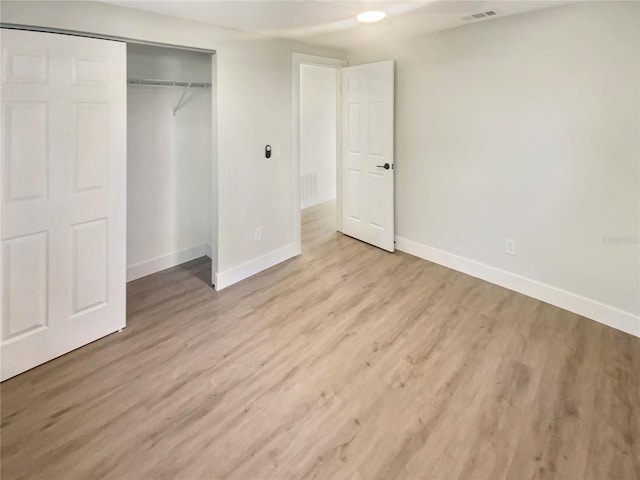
x=247, y=269
x=318, y=199
x=157, y=264
x=606, y=314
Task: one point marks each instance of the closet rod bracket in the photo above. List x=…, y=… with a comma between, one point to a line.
x=179, y=104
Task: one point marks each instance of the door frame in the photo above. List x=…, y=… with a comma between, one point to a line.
x=337, y=64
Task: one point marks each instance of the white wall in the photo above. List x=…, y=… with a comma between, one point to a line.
x=526, y=127
x=145, y=61
x=169, y=161
x=318, y=128
x=254, y=108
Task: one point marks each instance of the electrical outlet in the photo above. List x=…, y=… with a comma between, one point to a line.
x=257, y=234
x=509, y=246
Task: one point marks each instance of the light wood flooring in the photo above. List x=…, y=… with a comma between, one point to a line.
x=344, y=363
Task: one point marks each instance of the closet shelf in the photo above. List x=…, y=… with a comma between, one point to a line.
x=169, y=83
x=166, y=83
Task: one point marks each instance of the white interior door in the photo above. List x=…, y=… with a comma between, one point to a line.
x=63, y=195
x=367, y=153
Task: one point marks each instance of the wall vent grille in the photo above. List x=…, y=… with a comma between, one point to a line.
x=308, y=186
x=479, y=15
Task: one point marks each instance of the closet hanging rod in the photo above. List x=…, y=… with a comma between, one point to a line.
x=166, y=83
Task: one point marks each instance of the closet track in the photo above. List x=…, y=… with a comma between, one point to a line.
x=100, y=36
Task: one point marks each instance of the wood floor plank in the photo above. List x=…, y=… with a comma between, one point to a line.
x=346, y=362
x=563, y=412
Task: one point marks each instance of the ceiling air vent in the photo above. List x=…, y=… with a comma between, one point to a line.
x=479, y=15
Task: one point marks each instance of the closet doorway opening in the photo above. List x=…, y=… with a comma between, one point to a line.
x=317, y=142
x=171, y=164
x=78, y=104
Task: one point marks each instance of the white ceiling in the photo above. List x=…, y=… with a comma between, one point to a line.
x=332, y=23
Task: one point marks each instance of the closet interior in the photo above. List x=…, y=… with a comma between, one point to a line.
x=170, y=160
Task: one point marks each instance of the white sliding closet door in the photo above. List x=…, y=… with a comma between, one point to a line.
x=63, y=195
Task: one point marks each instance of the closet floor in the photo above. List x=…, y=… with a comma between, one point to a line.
x=344, y=363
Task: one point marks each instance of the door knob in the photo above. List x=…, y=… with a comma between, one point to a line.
x=386, y=166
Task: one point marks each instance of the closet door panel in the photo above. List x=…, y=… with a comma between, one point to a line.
x=25, y=271
x=63, y=199
x=25, y=141
x=92, y=146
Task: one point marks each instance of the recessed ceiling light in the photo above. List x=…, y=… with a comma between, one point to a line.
x=371, y=16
